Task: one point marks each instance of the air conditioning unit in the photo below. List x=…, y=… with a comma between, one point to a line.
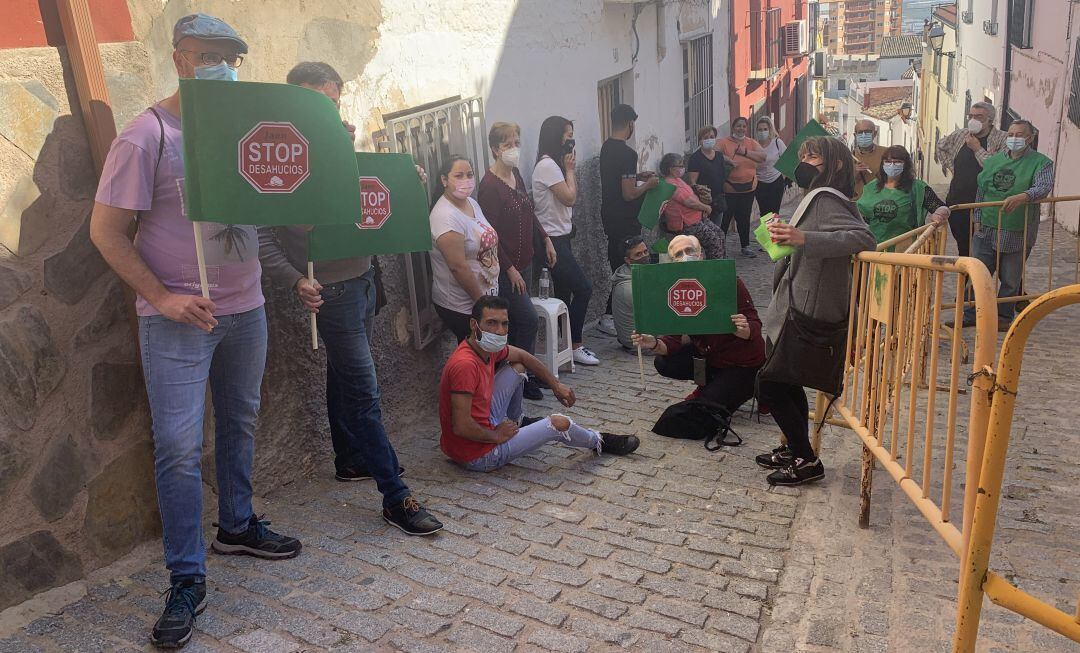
x=968, y=17
x=796, y=38
x=990, y=27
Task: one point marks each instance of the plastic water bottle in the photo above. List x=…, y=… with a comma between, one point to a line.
x=545, y=284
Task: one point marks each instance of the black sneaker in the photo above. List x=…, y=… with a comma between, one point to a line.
x=411, y=518
x=186, y=599
x=258, y=541
x=538, y=382
x=532, y=391
x=525, y=421
x=798, y=472
x=348, y=474
x=618, y=445
x=968, y=322
x=778, y=458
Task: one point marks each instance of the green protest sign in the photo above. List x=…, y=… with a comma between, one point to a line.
x=789, y=160
x=653, y=204
x=395, y=213
x=693, y=298
x=270, y=154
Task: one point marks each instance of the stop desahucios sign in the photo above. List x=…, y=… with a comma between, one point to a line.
x=274, y=157
x=687, y=297
x=375, y=198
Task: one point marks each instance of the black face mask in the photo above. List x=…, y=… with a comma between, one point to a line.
x=805, y=174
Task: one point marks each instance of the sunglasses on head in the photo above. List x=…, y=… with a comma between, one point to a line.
x=633, y=241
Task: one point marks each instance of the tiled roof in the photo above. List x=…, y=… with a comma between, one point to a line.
x=907, y=46
x=884, y=111
x=946, y=13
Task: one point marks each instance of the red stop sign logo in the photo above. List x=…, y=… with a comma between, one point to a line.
x=274, y=157
x=686, y=297
x=375, y=199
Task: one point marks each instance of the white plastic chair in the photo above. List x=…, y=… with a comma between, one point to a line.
x=554, y=347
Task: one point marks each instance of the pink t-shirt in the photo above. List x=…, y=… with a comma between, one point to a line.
x=166, y=240
x=677, y=215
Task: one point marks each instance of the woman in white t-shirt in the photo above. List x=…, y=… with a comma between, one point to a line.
x=465, y=261
x=771, y=184
x=554, y=186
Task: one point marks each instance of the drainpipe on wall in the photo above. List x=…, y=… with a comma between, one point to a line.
x=1006, y=88
x=661, y=32
x=1070, y=53
x=93, y=95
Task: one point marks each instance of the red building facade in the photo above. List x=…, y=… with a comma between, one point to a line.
x=769, y=53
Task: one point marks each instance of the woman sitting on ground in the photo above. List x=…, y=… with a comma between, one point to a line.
x=685, y=213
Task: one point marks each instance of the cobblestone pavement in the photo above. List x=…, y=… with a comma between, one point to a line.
x=670, y=549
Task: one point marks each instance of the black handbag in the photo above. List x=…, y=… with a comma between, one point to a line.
x=698, y=419
x=808, y=352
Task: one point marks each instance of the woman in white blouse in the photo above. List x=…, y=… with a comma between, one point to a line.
x=465, y=261
x=771, y=184
x=554, y=185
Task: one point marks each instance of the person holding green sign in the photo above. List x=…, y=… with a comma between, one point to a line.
x=187, y=340
x=1005, y=235
x=685, y=213
x=729, y=362
x=810, y=287
x=896, y=202
x=342, y=294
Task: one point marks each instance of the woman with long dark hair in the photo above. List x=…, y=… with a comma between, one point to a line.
x=554, y=184
x=465, y=261
x=897, y=202
x=815, y=284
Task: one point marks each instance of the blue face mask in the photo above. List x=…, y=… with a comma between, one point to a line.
x=1016, y=143
x=708, y=144
x=893, y=170
x=492, y=343
x=221, y=71
x=864, y=139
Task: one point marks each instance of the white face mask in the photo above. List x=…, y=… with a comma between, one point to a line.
x=763, y=134
x=708, y=144
x=492, y=343
x=511, y=157
x=975, y=126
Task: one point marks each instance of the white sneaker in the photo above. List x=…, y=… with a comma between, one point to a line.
x=606, y=324
x=583, y=356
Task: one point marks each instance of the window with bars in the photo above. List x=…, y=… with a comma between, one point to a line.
x=1020, y=23
x=609, y=94
x=697, y=86
x=1074, y=91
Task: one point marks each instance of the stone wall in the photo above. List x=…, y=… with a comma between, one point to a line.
x=76, y=482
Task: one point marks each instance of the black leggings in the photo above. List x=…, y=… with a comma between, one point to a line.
x=571, y=285
x=771, y=195
x=458, y=323
x=739, y=206
x=730, y=387
x=789, y=408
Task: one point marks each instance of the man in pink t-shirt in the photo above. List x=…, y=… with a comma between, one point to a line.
x=186, y=339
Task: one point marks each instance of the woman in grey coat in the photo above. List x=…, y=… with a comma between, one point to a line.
x=826, y=230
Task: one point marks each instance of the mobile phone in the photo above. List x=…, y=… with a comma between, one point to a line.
x=568, y=146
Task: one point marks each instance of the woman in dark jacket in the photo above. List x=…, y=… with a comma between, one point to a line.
x=826, y=231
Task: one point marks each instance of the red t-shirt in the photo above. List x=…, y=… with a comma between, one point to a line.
x=678, y=216
x=467, y=373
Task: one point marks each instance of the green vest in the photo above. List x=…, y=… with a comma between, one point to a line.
x=1003, y=176
x=890, y=212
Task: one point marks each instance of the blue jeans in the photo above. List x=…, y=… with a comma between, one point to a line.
x=571, y=285
x=178, y=360
x=524, y=322
x=506, y=405
x=1010, y=276
x=352, y=390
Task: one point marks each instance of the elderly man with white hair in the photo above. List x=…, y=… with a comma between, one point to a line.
x=963, y=154
x=723, y=365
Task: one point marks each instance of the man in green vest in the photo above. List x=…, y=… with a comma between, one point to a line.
x=1005, y=235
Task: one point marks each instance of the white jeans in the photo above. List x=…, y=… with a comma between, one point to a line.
x=506, y=405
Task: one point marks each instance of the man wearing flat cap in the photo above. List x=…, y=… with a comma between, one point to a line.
x=185, y=339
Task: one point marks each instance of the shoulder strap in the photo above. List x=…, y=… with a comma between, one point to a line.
x=160, y=152
x=809, y=199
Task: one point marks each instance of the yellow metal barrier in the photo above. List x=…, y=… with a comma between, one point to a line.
x=899, y=375
x=975, y=578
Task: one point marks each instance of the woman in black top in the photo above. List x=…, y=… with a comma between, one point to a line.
x=706, y=167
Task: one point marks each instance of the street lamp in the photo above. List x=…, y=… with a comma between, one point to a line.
x=936, y=38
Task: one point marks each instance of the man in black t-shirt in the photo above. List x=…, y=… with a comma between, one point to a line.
x=962, y=153
x=620, y=193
